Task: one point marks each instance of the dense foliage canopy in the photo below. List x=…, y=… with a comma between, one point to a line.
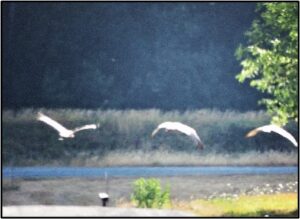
x=270, y=60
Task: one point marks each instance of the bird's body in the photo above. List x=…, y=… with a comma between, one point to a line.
x=273, y=128
x=62, y=131
x=177, y=126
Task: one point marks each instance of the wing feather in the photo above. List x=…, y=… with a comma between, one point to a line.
x=90, y=126
x=51, y=122
x=155, y=131
x=284, y=133
x=196, y=138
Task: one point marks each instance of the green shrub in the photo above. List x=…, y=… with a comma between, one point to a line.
x=148, y=193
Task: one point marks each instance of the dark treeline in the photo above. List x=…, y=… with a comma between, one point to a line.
x=124, y=55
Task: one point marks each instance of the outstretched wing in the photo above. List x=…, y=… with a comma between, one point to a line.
x=155, y=131
x=284, y=133
x=90, y=126
x=273, y=128
x=197, y=140
x=51, y=122
x=177, y=126
x=164, y=125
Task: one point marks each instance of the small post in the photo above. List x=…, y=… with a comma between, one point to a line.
x=106, y=181
x=104, y=198
x=103, y=195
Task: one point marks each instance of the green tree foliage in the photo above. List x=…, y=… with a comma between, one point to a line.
x=270, y=60
x=148, y=193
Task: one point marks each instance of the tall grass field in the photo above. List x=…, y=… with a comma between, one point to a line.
x=124, y=138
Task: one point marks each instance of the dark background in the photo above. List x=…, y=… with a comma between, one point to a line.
x=124, y=55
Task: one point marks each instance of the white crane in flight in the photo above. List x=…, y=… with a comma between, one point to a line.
x=273, y=128
x=177, y=126
x=62, y=131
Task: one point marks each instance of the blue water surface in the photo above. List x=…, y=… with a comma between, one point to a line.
x=54, y=172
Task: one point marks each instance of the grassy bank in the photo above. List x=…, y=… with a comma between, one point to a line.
x=275, y=205
x=124, y=138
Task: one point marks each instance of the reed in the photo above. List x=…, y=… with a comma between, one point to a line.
x=175, y=158
x=125, y=136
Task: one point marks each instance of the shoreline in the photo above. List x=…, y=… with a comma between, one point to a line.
x=84, y=191
x=167, y=165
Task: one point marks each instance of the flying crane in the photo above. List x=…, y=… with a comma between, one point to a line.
x=273, y=128
x=177, y=126
x=62, y=131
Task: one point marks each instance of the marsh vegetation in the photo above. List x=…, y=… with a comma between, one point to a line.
x=124, y=138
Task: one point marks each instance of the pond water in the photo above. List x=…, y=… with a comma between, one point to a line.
x=54, y=172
